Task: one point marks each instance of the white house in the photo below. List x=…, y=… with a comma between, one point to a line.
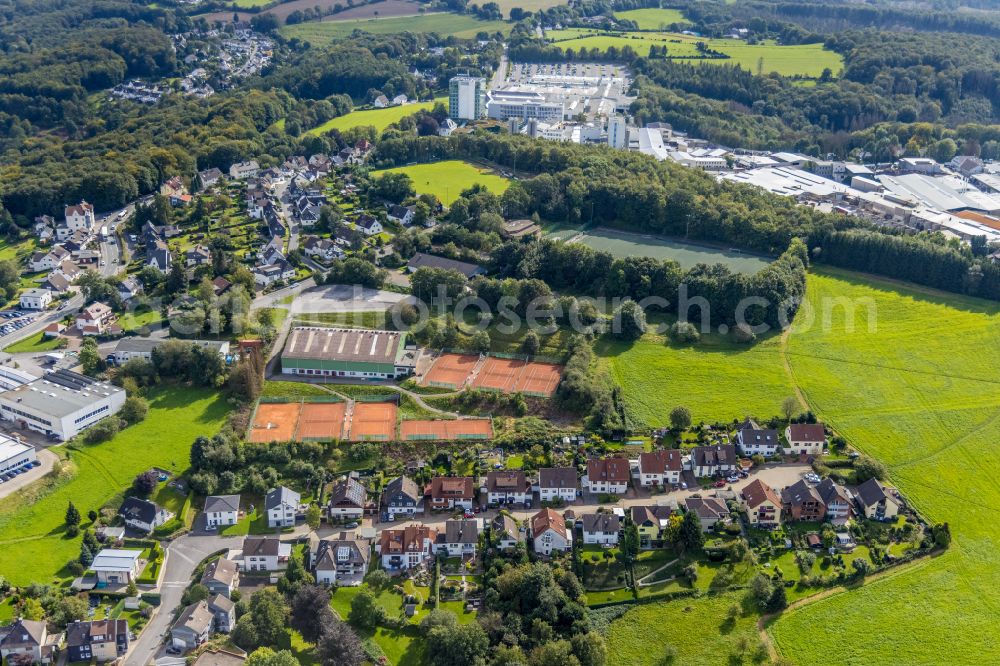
x=116, y=567
x=264, y=276
x=401, y=214
x=549, y=533
x=80, y=216
x=506, y=531
x=35, y=299
x=507, y=487
x=342, y=561
x=281, y=504
x=265, y=554
x=607, y=475
x=406, y=547
x=380, y=102
x=601, y=528
x=399, y=100
x=142, y=514
x=95, y=319
x=368, y=225
x=754, y=441
x=660, y=468
x=402, y=498
x=242, y=170
x=46, y=261
x=347, y=500
x=557, y=483
x=61, y=403
x=460, y=538
x=221, y=510
x=805, y=439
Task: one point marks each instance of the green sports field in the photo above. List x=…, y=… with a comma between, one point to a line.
x=919, y=391
x=33, y=547
x=377, y=118
x=796, y=60
x=463, y=26
x=447, y=179
x=652, y=18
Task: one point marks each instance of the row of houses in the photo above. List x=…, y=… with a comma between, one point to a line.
x=826, y=501
x=281, y=506
x=83, y=641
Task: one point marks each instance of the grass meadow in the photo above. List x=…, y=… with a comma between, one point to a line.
x=447, y=179
x=652, y=18
x=918, y=391
x=807, y=60
x=463, y=26
x=33, y=547
x=377, y=118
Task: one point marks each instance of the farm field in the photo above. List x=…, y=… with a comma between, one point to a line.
x=796, y=60
x=652, y=18
x=528, y=5
x=447, y=179
x=916, y=394
x=33, y=546
x=384, y=9
x=447, y=25
x=626, y=244
x=377, y=118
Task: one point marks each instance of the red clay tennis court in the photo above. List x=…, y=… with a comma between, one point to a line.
x=450, y=370
x=373, y=421
x=499, y=374
x=321, y=420
x=274, y=422
x=437, y=430
x=539, y=379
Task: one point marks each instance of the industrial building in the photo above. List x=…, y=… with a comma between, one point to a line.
x=130, y=348
x=466, y=98
x=347, y=352
x=551, y=92
x=61, y=403
x=15, y=454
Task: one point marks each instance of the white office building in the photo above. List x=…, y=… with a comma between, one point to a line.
x=36, y=299
x=466, y=98
x=523, y=105
x=61, y=404
x=15, y=454
x=617, y=132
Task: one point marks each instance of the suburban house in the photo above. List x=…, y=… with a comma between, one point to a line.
x=875, y=501
x=709, y=510
x=716, y=460
x=221, y=576
x=650, y=521
x=322, y=248
x=223, y=610
x=753, y=441
x=192, y=627
x=607, y=475
x=242, y=170
x=402, y=214
x=368, y=225
x=266, y=275
x=47, y=261
x=402, y=497
x=506, y=532
x=838, y=501
x=347, y=500
x=197, y=256
x=281, y=504
x=802, y=501
x=142, y=514
x=129, y=288
x=660, y=468
x=265, y=553
x=805, y=439
x=601, y=528
x=80, y=216
x=460, y=538
x=762, y=503
x=407, y=547
x=95, y=319
x=158, y=255
x=209, y=177
x=100, y=640
x=27, y=637
x=222, y=510
x=342, y=561
x=380, y=102
x=557, y=482
x=55, y=281
x=549, y=533
x=507, y=487
x=399, y=100
x=35, y=299
x=117, y=567
x=449, y=492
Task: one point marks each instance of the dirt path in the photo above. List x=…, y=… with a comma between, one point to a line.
x=654, y=572
x=783, y=349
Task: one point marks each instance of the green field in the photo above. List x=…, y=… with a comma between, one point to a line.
x=377, y=118
x=528, y=5
x=250, y=4
x=920, y=393
x=35, y=343
x=463, y=26
x=33, y=548
x=625, y=244
x=652, y=18
x=797, y=60
x=447, y=179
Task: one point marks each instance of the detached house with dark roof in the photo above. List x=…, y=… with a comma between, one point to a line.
x=342, y=561
x=402, y=498
x=650, y=521
x=27, y=637
x=221, y=510
x=709, y=510
x=838, y=501
x=557, y=483
x=281, y=505
x=751, y=442
x=192, y=627
x=460, y=538
x=221, y=576
x=601, y=528
x=347, y=500
x=506, y=532
x=142, y=514
x=100, y=640
x=265, y=554
x=505, y=487
x=607, y=475
x=875, y=501
x=802, y=501
x=717, y=460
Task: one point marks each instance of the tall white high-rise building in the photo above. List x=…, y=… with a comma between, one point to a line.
x=617, y=132
x=466, y=98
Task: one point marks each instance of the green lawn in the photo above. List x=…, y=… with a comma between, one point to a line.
x=377, y=118
x=34, y=548
x=696, y=628
x=36, y=343
x=652, y=18
x=463, y=26
x=447, y=179
x=794, y=60
x=919, y=394
x=528, y=5
x=18, y=250
x=132, y=321
x=279, y=389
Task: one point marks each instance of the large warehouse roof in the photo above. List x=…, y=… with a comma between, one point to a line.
x=945, y=193
x=61, y=393
x=344, y=344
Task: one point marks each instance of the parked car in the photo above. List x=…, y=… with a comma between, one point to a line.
x=719, y=484
x=351, y=526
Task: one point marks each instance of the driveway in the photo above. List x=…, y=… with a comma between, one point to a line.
x=183, y=556
x=48, y=460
